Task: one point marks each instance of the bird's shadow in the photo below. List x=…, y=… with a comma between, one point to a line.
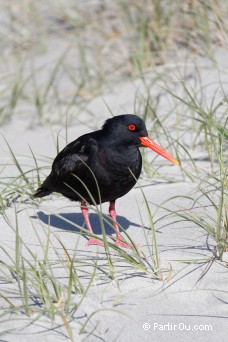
x=73, y=222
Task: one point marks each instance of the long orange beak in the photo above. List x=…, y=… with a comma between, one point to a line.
x=146, y=141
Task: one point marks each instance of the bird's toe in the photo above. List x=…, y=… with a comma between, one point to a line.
x=93, y=241
x=123, y=244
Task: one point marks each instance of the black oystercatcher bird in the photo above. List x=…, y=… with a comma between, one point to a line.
x=99, y=167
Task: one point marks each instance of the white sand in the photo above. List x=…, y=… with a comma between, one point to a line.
x=181, y=308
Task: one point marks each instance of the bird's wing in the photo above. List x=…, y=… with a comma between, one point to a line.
x=72, y=159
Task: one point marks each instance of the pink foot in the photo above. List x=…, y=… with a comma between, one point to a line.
x=120, y=243
x=93, y=241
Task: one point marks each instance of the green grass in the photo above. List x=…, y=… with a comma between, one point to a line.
x=110, y=42
x=208, y=130
x=32, y=277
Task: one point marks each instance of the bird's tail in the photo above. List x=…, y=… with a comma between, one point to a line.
x=42, y=192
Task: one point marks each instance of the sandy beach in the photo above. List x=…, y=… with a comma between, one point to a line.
x=53, y=286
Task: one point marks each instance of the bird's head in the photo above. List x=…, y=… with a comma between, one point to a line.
x=130, y=129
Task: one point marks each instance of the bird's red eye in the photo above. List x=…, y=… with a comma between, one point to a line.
x=131, y=127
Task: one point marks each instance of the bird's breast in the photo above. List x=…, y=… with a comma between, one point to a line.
x=119, y=164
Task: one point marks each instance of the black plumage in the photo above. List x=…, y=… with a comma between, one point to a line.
x=101, y=166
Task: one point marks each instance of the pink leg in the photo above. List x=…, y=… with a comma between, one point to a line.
x=112, y=213
x=85, y=210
